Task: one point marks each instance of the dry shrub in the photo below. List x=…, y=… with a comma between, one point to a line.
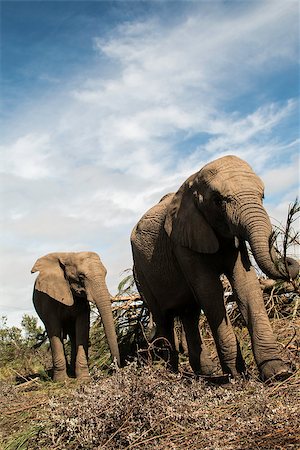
x=151, y=408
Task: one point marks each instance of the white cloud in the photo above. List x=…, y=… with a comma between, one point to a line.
x=212, y=44
x=27, y=157
x=281, y=179
x=235, y=131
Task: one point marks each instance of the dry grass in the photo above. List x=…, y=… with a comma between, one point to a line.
x=152, y=408
x=147, y=407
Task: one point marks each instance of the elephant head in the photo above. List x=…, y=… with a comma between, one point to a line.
x=63, y=275
x=224, y=199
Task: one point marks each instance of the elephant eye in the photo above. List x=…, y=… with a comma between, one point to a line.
x=218, y=200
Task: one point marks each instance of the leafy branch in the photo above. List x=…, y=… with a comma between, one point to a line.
x=287, y=234
x=127, y=284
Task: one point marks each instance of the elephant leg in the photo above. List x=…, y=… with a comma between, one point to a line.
x=72, y=336
x=207, y=288
x=250, y=301
x=58, y=353
x=166, y=340
x=82, y=327
x=199, y=358
x=164, y=323
x=227, y=344
x=49, y=312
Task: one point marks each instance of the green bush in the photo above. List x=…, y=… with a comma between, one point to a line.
x=22, y=350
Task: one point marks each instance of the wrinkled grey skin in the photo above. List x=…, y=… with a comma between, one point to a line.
x=65, y=285
x=183, y=244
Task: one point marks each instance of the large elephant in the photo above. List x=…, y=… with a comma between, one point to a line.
x=183, y=244
x=65, y=284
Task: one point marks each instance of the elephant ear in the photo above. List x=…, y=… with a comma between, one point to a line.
x=51, y=279
x=186, y=225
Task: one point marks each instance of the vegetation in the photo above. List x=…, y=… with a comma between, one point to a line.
x=23, y=351
x=142, y=405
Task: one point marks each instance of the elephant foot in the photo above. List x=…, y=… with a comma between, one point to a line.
x=204, y=367
x=82, y=374
x=234, y=370
x=208, y=368
x=235, y=367
x=84, y=379
x=60, y=376
x=274, y=370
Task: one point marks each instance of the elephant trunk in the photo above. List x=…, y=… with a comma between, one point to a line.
x=101, y=297
x=257, y=230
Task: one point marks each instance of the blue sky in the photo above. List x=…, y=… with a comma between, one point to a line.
x=107, y=106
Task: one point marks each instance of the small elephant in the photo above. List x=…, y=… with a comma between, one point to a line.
x=65, y=284
x=182, y=246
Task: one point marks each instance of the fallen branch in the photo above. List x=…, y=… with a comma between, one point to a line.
x=14, y=411
x=125, y=298
x=26, y=384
